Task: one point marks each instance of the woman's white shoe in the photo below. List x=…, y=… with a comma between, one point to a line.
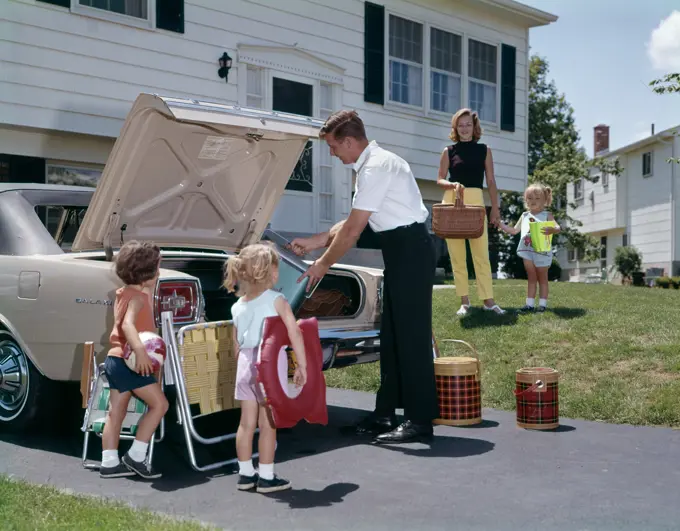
x=495, y=308
x=463, y=310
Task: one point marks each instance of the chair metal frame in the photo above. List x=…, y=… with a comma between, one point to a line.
x=185, y=418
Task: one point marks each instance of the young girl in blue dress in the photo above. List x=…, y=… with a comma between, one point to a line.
x=537, y=199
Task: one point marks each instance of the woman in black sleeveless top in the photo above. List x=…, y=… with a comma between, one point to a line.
x=464, y=164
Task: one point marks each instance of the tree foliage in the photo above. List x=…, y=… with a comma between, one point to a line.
x=628, y=260
x=556, y=159
x=667, y=84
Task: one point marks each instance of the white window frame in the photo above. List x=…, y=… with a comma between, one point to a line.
x=423, y=66
x=580, y=196
x=331, y=194
x=571, y=255
x=651, y=164
x=110, y=16
x=497, y=85
x=263, y=83
x=604, y=178
x=462, y=76
x=424, y=109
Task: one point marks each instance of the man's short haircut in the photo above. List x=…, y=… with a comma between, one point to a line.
x=343, y=124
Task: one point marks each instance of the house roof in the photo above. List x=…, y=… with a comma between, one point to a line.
x=665, y=134
x=531, y=16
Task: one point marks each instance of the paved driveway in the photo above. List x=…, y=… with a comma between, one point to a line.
x=586, y=476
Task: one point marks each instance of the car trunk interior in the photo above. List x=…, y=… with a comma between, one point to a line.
x=336, y=296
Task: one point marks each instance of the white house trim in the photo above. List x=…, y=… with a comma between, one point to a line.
x=291, y=60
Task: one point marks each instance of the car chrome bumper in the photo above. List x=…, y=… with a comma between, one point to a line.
x=343, y=347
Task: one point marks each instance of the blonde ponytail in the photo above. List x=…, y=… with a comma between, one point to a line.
x=234, y=264
x=548, y=196
x=253, y=268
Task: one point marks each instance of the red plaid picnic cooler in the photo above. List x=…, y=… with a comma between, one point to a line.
x=537, y=398
x=459, y=390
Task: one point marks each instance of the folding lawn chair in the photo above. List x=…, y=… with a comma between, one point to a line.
x=203, y=367
x=95, y=391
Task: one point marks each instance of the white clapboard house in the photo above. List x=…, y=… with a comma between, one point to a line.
x=72, y=68
x=640, y=207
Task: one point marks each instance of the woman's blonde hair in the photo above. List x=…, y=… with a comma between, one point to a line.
x=252, y=267
x=543, y=189
x=476, y=126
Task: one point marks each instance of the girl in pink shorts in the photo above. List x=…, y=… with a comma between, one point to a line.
x=256, y=270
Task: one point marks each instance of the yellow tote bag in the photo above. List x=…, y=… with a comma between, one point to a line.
x=541, y=243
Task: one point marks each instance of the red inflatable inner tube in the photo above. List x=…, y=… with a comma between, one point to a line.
x=310, y=403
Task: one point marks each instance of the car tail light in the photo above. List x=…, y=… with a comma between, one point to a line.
x=181, y=297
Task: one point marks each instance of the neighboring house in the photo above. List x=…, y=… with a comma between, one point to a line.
x=640, y=208
x=72, y=68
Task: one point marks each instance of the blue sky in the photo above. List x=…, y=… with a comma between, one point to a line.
x=602, y=55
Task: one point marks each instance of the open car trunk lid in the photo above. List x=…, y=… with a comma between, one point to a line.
x=185, y=173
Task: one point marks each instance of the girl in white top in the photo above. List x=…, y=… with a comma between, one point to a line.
x=537, y=199
x=256, y=270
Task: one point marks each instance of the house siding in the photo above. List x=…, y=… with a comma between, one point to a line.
x=643, y=208
x=68, y=73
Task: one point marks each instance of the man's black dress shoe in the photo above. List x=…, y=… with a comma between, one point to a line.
x=374, y=424
x=406, y=432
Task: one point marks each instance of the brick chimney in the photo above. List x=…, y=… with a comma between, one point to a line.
x=601, y=139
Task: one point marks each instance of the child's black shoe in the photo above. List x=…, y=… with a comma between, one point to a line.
x=265, y=486
x=540, y=309
x=142, y=469
x=118, y=471
x=247, y=482
x=526, y=309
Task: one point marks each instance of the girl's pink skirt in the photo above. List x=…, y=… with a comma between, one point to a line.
x=247, y=387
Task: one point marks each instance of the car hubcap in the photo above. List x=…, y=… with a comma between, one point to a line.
x=13, y=378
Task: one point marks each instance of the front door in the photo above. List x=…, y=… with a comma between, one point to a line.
x=296, y=98
x=296, y=211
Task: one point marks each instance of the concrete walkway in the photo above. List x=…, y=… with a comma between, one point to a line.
x=585, y=476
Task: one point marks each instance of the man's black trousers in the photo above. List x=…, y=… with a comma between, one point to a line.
x=406, y=359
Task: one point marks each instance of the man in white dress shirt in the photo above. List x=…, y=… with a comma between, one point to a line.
x=388, y=199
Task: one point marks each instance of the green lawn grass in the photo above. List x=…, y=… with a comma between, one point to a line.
x=30, y=507
x=617, y=349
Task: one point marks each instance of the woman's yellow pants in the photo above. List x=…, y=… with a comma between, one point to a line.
x=479, y=248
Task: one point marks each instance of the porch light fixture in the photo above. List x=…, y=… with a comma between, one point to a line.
x=225, y=66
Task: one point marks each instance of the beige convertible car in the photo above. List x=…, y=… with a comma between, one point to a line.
x=199, y=179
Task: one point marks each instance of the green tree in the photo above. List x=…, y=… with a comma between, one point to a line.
x=555, y=159
x=668, y=84
x=628, y=260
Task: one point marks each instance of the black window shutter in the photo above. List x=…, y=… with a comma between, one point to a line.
x=170, y=15
x=62, y=3
x=374, y=53
x=508, y=76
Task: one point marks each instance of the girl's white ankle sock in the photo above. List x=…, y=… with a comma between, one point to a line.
x=266, y=471
x=138, y=450
x=543, y=302
x=245, y=468
x=531, y=302
x=110, y=458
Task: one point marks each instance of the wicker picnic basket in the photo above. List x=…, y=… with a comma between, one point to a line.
x=458, y=220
